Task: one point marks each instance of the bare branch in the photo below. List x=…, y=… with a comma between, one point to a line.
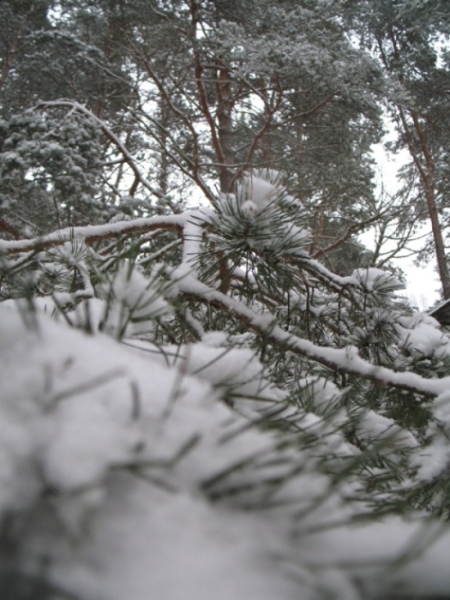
x=128, y=158
x=350, y=231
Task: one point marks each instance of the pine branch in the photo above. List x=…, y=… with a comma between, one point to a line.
x=344, y=361
x=128, y=158
x=95, y=233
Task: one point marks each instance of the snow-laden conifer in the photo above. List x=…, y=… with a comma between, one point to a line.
x=202, y=395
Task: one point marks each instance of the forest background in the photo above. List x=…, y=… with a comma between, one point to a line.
x=204, y=369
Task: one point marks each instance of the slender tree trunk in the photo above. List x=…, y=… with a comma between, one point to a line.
x=220, y=127
x=423, y=160
x=438, y=241
x=8, y=62
x=163, y=167
x=225, y=127
x=425, y=165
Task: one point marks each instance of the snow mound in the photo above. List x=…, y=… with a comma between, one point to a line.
x=130, y=478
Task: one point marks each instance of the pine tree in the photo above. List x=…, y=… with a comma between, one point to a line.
x=323, y=390
x=410, y=41
x=207, y=402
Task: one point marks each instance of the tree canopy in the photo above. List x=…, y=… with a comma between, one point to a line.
x=203, y=370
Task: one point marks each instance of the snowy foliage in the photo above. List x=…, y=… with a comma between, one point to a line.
x=48, y=170
x=231, y=402
x=172, y=416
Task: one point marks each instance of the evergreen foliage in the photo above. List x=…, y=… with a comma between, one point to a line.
x=410, y=40
x=335, y=374
x=232, y=401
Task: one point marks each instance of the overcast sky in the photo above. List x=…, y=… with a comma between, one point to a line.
x=423, y=286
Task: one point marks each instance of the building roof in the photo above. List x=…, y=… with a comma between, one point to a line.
x=442, y=313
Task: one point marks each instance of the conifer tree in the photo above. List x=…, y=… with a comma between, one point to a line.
x=188, y=392
x=410, y=40
x=342, y=384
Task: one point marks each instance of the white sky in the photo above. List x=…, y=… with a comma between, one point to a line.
x=423, y=287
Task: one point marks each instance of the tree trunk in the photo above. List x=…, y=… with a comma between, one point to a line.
x=438, y=241
x=425, y=168
x=225, y=127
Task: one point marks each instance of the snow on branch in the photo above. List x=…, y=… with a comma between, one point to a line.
x=95, y=233
x=139, y=178
x=342, y=360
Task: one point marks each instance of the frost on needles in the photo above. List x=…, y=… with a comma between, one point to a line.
x=193, y=407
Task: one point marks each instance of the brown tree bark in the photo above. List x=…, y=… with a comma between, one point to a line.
x=225, y=126
x=424, y=162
